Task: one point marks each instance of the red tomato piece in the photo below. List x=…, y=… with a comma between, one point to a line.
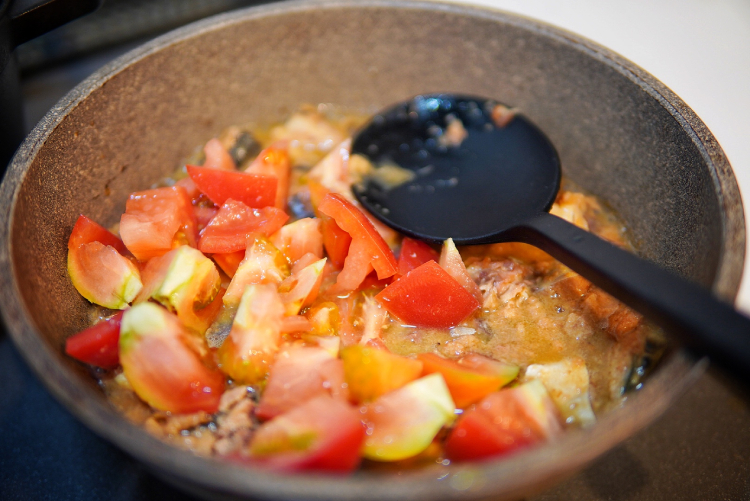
x=156, y=221
x=274, y=161
x=367, y=251
x=235, y=222
x=427, y=296
x=86, y=231
x=157, y=357
x=299, y=238
x=217, y=157
x=323, y=434
x=414, y=254
x=97, y=345
x=335, y=240
x=299, y=374
x=253, y=190
x=503, y=422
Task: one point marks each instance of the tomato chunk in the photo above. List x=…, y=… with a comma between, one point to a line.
x=162, y=367
x=230, y=229
x=414, y=254
x=403, y=423
x=335, y=240
x=372, y=372
x=217, y=157
x=466, y=384
x=427, y=296
x=274, y=162
x=253, y=190
x=103, y=276
x=504, y=422
x=98, y=345
x=323, y=434
x=156, y=221
x=86, y=231
x=367, y=251
x=299, y=374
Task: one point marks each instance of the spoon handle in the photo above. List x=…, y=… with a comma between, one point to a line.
x=691, y=313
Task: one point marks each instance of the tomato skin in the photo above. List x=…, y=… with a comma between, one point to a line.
x=156, y=221
x=427, y=296
x=253, y=190
x=414, y=254
x=86, y=231
x=235, y=222
x=323, y=434
x=97, y=345
x=367, y=250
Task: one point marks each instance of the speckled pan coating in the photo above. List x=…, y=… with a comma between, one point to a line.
x=620, y=133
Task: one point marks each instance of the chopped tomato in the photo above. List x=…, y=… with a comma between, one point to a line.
x=301, y=289
x=103, y=276
x=253, y=190
x=466, y=384
x=86, y=231
x=184, y=281
x=274, y=162
x=371, y=372
x=98, y=345
x=427, y=296
x=156, y=221
x=413, y=254
x=299, y=238
x=253, y=342
x=367, y=251
x=451, y=261
x=263, y=264
x=235, y=222
x=323, y=434
x=159, y=363
x=217, y=157
x=404, y=422
x=335, y=240
x=230, y=261
x=299, y=374
x=503, y=422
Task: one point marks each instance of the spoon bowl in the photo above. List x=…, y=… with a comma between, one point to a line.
x=479, y=168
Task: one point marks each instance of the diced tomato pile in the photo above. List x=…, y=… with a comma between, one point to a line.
x=218, y=253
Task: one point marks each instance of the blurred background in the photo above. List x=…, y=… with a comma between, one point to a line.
x=699, y=450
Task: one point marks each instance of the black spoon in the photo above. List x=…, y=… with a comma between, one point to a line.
x=496, y=184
